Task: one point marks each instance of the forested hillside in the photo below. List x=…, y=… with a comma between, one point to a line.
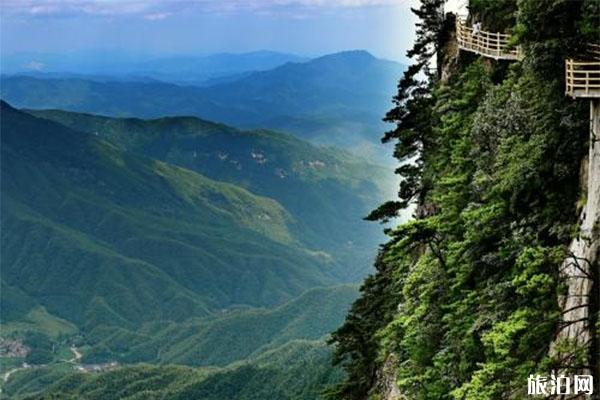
x=302, y=177
x=243, y=355
x=109, y=255
x=465, y=300
x=125, y=206
x=296, y=371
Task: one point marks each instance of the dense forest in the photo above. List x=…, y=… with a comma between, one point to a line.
x=465, y=300
x=110, y=257
x=178, y=258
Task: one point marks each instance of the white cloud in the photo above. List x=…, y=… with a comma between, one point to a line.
x=159, y=16
x=43, y=9
x=160, y=9
x=35, y=66
x=339, y=3
x=77, y=7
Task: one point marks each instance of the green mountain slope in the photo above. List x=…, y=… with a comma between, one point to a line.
x=298, y=371
x=220, y=340
x=102, y=238
x=266, y=354
x=325, y=190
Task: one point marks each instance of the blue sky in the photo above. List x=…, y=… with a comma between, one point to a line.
x=165, y=27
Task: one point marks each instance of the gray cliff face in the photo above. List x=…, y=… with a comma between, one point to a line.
x=575, y=339
x=385, y=387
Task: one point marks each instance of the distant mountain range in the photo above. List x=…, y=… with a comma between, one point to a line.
x=150, y=235
x=338, y=99
x=111, y=65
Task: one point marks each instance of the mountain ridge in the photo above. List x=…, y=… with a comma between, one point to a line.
x=191, y=69
x=336, y=99
x=107, y=223
x=271, y=164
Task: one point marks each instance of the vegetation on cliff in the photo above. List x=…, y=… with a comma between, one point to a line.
x=464, y=300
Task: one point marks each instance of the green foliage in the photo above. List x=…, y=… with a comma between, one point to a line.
x=41, y=348
x=356, y=348
x=303, y=178
x=105, y=240
x=495, y=16
x=475, y=280
x=39, y=357
x=297, y=370
x=223, y=339
x=25, y=382
x=263, y=352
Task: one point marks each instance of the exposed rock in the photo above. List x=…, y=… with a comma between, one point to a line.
x=258, y=156
x=448, y=54
x=13, y=348
x=385, y=383
x=580, y=270
x=88, y=368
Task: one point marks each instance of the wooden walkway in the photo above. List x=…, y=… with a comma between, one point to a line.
x=583, y=77
x=489, y=44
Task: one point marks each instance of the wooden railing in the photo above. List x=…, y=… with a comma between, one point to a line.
x=583, y=78
x=594, y=51
x=488, y=44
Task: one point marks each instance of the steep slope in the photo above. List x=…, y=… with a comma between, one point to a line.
x=581, y=268
x=102, y=238
x=326, y=191
x=469, y=296
x=337, y=99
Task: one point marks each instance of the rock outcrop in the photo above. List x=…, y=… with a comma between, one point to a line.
x=575, y=342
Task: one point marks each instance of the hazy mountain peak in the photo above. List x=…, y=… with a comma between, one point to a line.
x=4, y=106
x=349, y=55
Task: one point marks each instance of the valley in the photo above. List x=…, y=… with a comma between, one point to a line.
x=185, y=217
x=186, y=227
x=176, y=241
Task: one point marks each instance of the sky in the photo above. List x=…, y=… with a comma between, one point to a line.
x=175, y=27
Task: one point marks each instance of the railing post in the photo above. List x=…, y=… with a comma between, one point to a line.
x=567, y=76
x=498, y=46
x=587, y=81
x=487, y=44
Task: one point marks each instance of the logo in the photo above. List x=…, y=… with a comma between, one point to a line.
x=540, y=385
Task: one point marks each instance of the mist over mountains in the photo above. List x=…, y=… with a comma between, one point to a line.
x=337, y=99
x=176, y=240
x=114, y=65
x=187, y=212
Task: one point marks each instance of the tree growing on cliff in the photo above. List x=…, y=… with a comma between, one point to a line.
x=471, y=284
